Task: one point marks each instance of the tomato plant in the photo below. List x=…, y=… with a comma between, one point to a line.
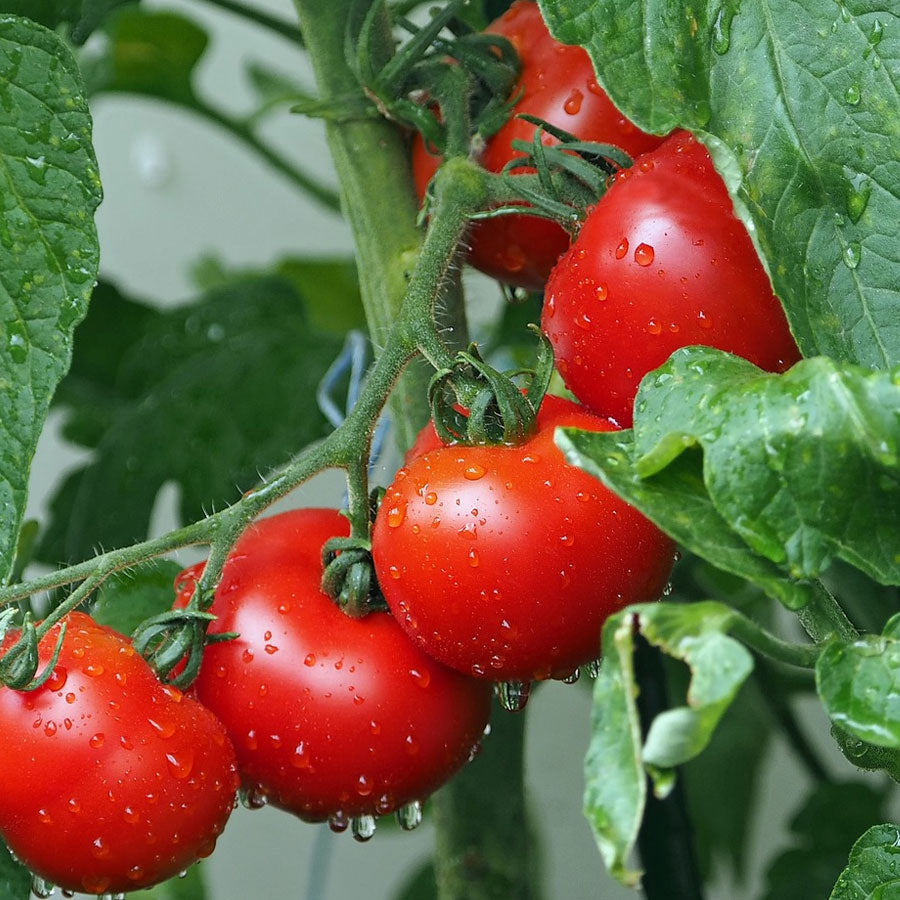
x=511, y=553
x=112, y=781
x=331, y=717
x=660, y=263
x=557, y=84
x=504, y=562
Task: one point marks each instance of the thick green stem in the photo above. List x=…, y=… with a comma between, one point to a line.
x=485, y=847
x=377, y=197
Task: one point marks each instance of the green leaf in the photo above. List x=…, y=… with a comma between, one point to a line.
x=163, y=419
x=150, y=53
x=127, y=598
x=83, y=16
x=801, y=101
x=190, y=887
x=420, y=885
x=48, y=243
x=676, y=500
x=859, y=683
x=618, y=758
x=15, y=879
x=827, y=823
x=871, y=873
x=796, y=468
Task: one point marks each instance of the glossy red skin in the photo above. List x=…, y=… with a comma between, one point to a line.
x=328, y=714
x=112, y=781
x=504, y=562
x=615, y=310
x=558, y=85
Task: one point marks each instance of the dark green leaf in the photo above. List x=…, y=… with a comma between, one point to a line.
x=15, y=879
x=48, y=243
x=250, y=343
x=617, y=758
x=872, y=871
x=859, y=683
x=83, y=16
x=330, y=289
x=421, y=885
x=803, y=99
x=828, y=822
x=151, y=53
x=127, y=598
x=191, y=887
x=677, y=501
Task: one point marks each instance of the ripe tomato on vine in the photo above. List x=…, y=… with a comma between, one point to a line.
x=504, y=561
x=331, y=716
x=557, y=84
x=660, y=263
x=112, y=781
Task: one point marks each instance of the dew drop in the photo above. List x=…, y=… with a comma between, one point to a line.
x=721, y=33
x=40, y=887
x=50, y=729
x=593, y=668
x=180, y=764
x=97, y=740
x=99, y=848
x=252, y=797
x=622, y=249
x=130, y=815
x=643, y=255
x=363, y=828
x=57, y=679
x=395, y=516
x=654, y=327
x=474, y=472
x=852, y=254
x=473, y=558
x=601, y=292
x=704, y=320
x=431, y=498
x=422, y=678
x=338, y=821
x=300, y=758
x=573, y=102
x=94, y=670
x=309, y=659
x=853, y=95
x=572, y=677
x=513, y=695
x=363, y=786
x=163, y=729
x=409, y=816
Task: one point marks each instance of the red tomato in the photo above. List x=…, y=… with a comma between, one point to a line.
x=330, y=716
x=661, y=263
x=558, y=85
x=504, y=562
x=112, y=781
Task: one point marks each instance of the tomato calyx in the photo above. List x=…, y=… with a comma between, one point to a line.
x=173, y=643
x=474, y=403
x=19, y=664
x=447, y=88
x=348, y=578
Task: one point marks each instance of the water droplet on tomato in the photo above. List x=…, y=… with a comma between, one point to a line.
x=338, y=821
x=99, y=848
x=301, y=758
x=572, y=106
x=135, y=873
x=572, y=677
x=473, y=558
x=363, y=785
x=622, y=249
x=95, y=884
x=422, y=678
x=643, y=254
x=394, y=572
x=473, y=472
x=40, y=887
x=94, y=670
x=309, y=659
x=654, y=327
x=130, y=815
x=44, y=817
x=50, y=729
x=514, y=258
x=431, y=498
x=601, y=292
x=73, y=804
x=97, y=740
x=594, y=88
x=70, y=698
x=704, y=320
x=181, y=763
x=411, y=745
x=395, y=516
x=57, y=679
x=513, y=695
x=409, y=816
x=270, y=649
x=252, y=797
x=363, y=828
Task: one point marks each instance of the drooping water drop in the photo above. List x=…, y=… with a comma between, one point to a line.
x=573, y=677
x=513, y=695
x=252, y=797
x=593, y=668
x=338, y=821
x=858, y=193
x=721, y=31
x=409, y=816
x=40, y=887
x=363, y=828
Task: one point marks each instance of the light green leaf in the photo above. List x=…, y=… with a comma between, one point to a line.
x=48, y=243
x=859, y=683
x=872, y=872
x=801, y=101
x=82, y=16
x=190, y=887
x=617, y=759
